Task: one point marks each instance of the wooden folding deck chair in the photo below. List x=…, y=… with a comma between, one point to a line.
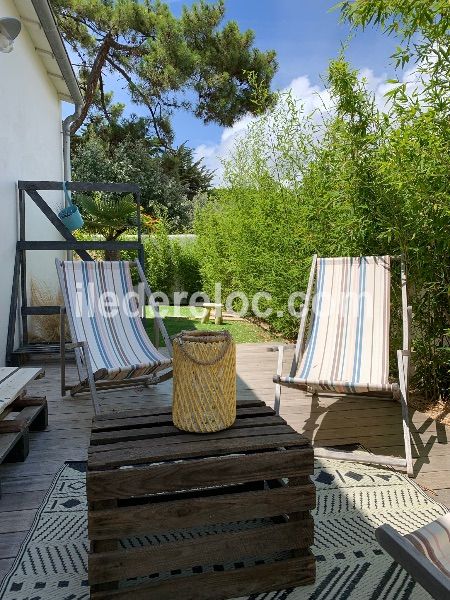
x=424, y=553
x=347, y=350
x=112, y=348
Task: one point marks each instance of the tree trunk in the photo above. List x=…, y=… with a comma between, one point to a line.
x=92, y=82
x=112, y=254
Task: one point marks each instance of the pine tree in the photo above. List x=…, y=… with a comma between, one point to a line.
x=193, y=61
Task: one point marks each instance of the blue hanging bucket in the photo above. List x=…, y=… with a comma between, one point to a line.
x=70, y=215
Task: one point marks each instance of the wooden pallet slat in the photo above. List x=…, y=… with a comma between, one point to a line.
x=233, y=469
x=113, y=436
x=209, y=550
x=161, y=434
x=14, y=446
x=153, y=411
x=28, y=401
x=226, y=584
x=192, y=512
x=13, y=425
x=30, y=413
x=164, y=416
x=13, y=385
x=6, y=372
x=136, y=456
x=36, y=416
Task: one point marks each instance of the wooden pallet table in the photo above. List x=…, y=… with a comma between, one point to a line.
x=210, y=516
x=18, y=412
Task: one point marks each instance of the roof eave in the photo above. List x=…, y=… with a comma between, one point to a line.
x=49, y=25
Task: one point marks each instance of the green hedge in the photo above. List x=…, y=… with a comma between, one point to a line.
x=171, y=260
x=351, y=181
x=171, y=263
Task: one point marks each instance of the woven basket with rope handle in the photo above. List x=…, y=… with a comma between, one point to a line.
x=204, y=381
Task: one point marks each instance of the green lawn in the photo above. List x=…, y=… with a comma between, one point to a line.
x=179, y=318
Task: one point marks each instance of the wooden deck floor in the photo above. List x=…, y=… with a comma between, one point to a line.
x=374, y=423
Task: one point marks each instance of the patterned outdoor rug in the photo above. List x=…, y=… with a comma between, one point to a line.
x=352, y=500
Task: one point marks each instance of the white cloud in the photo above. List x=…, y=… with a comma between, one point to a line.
x=379, y=86
x=312, y=97
x=212, y=154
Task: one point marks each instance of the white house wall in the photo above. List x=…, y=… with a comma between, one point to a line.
x=30, y=149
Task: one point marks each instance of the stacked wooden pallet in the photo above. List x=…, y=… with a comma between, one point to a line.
x=212, y=516
x=18, y=412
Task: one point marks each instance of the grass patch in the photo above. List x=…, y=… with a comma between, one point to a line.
x=180, y=318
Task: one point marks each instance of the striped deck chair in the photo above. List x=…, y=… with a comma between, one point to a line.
x=424, y=553
x=111, y=346
x=347, y=349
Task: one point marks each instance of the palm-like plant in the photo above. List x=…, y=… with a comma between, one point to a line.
x=107, y=215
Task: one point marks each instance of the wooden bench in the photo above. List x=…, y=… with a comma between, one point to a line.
x=216, y=516
x=19, y=413
x=218, y=319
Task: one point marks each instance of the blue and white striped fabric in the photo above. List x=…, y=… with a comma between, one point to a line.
x=103, y=311
x=348, y=345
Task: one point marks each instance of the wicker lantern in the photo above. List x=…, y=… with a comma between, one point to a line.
x=204, y=381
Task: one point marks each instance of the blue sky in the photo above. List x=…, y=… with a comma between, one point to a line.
x=306, y=34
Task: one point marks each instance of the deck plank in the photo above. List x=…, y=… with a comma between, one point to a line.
x=376, y=423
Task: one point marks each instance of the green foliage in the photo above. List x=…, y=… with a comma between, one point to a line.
x=106, y=215
x=413, y=188
x=171, y=263
x=349, y=180
x=190, y=174
x=187, y=274
x=195, y=61
x=159, y=263
x=122, y=151
x=422, y=27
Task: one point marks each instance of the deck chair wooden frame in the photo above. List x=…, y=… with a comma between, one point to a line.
x=399, y=390
x=94, y=381
x=419, y=566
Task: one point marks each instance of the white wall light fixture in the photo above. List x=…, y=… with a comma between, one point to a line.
x=9, y=30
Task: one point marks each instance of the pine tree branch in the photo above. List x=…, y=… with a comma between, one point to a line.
x=135, y=88
x=81, y=21
x=135, y=50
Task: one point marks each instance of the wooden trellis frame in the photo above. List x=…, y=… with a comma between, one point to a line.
x=31, y=189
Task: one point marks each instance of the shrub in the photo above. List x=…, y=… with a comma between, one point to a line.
x=171, y=263
x=349, y=180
